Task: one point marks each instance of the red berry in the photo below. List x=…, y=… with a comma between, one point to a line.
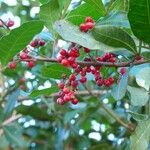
x=83, y=79
x=86, y=50
x=74, y=83
x=34, y=43
x=88, y=19
x=87, y=59
x=123, y=71
x=74, y=101
x=100, y=82
x=71, y=59
x=59, y=59
x=78, y=69
x=63, y=52
x=138, y=57
x=10, y=23
x=88, y=69
x=61, y=85
x=107, y=82
x=41, y=43
x=83, y=73
x=60, y=101
x=89, y=25
x=31, y=64
x=106, y=56
x=12, y=65
x=66, y=90
x=74, y=65
x=65, y=62
x=72, y=77
x=23, y=55
x=113, y=59
x=111, y=80
x=83, y=27
x=100, y=59
x=67, y=97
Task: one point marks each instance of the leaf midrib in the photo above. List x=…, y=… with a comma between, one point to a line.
x=117, y=40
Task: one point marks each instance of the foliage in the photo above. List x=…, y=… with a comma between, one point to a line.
x=114, y=116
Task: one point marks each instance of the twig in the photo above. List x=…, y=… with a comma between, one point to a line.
x=92, y=63
x=111, y=112
x=78, y=93
x=8, y=121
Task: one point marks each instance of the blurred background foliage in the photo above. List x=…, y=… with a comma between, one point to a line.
x=40, y=123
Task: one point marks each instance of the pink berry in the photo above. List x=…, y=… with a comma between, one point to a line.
x=63, y=52
x=65, y=62
x=12, y=65
x=23, y=55
x=100, y=82
x=10, y=23
x=123, y=71
x=61, y=85
x=41, y=42
x=88, y=19
x=74, y=101
x=89, y=25
x=86, y=50
x=60, y=101
x=83, y=79
x=66, y=90
x=31, y=64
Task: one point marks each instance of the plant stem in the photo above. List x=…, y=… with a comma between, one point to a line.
x=92, y=63
x=111, y=112
x=140, y=46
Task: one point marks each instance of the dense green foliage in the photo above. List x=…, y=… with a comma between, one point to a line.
x=117, y=118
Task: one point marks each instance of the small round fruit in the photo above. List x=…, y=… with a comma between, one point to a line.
x=12, y=65
x=88, y=19
x=74, y=101
x=31, y=64
x=10, y=23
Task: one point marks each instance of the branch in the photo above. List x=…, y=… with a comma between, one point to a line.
x=77, y=93
x=92, y=63
x=8, y=121
x=111, y=112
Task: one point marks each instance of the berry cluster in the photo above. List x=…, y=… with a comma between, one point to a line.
x=25, y=54
x=68, y=59
x=66, y=95
x=88, y=25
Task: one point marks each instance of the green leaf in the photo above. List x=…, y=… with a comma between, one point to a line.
x=78, y=15
x=43, y=1
x=70, y=32
x=114, y=36
x=139, y=96
x=18, y=39
x=34, y=111
x=119, y=90
x=55, y=71
x=45, y=92
x=49, y=13
x=118, y=19
x=13, y=133
x=139, y=18
x=141, y=137
x=146, y=54
x=143, y=78
x=97, y=5
x=11, y=102
x=117, y=5
x=138, y=117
